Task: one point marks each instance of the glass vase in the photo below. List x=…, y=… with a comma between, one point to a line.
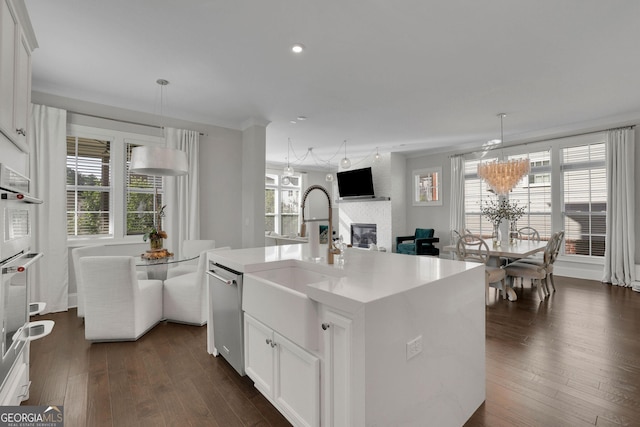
x=496, y=235
x=513, y=232
x=155, y=243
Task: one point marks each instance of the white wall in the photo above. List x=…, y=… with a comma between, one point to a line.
x=253, y=169
x=436, y=217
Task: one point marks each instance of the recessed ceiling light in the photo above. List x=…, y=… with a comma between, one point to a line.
x=297, y=48
x=293, y=122
x=301, y=118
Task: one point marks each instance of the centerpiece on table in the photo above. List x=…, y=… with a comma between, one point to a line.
x=156, y=238
x=497, y=210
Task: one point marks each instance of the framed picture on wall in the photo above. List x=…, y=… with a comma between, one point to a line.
x=427, y=187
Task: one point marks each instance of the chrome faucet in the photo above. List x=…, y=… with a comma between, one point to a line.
x=332, y=250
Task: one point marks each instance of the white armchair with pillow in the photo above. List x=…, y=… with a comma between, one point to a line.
x=118, y=306
x=186, y=296
x=190, y=249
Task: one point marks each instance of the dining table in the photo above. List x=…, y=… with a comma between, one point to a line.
x=507, y=251
x=157, y=267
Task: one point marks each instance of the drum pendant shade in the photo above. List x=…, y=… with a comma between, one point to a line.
x=158, y=161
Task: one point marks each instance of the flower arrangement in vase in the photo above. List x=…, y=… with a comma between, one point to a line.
x=497, y=210
x=156, y=235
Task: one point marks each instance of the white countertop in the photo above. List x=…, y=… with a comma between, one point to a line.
x=366, y=276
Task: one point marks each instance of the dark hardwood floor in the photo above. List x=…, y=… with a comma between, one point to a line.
x=571, y=360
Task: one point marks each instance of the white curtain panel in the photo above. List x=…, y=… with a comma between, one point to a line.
x=182, y=193
x=619, y=255
x=47, y=164
x=456, y=212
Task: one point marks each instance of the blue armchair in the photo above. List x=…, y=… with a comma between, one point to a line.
x=421, y=243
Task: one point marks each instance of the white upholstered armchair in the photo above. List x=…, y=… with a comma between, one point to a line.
x=97, y=250
x=118, y=306
x=185, y=296
x=190, y=249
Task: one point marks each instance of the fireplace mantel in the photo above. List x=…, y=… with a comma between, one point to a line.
x=372, y=199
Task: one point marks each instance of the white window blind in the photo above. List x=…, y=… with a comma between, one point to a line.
x=88, y=187
x=140, y=193
x=534, y=193
x=476, y=192
x=584, y=178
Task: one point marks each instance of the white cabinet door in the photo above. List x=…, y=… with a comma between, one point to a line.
x=285, y=373
x=8, y=33
x=258, y=354
x=22, y=94
x=337, y=375
x=297, y=382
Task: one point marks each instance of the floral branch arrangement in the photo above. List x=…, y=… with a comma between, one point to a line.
x=156, y=232
x=497, y=210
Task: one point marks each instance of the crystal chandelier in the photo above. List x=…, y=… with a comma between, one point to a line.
x=502, y=175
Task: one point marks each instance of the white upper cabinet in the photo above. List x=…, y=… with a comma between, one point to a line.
x=16, y=44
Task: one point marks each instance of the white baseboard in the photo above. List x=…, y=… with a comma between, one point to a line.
x=587, y=271
x=73, y=300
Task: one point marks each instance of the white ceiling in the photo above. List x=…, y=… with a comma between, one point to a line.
x=405, y=75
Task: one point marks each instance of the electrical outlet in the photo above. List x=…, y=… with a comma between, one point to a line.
x=414, y=347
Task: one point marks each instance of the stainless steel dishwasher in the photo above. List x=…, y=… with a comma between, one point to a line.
x=226, y=303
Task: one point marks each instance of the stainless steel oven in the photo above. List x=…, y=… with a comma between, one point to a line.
x=14, y=312
x=16, y=259
x=16, y=213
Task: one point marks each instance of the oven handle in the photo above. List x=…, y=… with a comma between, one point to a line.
x=220, y=278
x=23, y=267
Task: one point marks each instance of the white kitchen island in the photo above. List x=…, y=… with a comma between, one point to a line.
x=384, y=340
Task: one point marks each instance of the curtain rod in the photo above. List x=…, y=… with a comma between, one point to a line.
x=121, y=121
x=542, y=140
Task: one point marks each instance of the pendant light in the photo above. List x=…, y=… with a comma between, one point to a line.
x=288, y=171
x=377, y=157
x=502, y=175
x=345, y=163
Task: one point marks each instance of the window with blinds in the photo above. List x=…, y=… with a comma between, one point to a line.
x=476, y=192
x=88, y=187
x=534, y=193
x=144, y=196
x=282, y=204
x=584, y=179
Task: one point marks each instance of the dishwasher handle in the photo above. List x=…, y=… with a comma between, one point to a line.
x=220, y=278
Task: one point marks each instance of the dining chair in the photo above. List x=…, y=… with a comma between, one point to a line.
x=185, y=296
x=539, y=272
x=472, y=248
x=556, y=240
x=97, y=250
x=118, y=306
x=190, y=249
x=528, y=233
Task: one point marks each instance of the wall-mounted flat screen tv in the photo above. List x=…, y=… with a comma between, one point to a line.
x=355, y=183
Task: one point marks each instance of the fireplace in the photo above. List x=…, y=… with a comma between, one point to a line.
x=362, y=235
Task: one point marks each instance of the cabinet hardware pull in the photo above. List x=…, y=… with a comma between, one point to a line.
x=325, y=326
x=21, y=132
x=269, y=342
x=273, y=344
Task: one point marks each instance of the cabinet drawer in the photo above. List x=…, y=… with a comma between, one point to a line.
x=16, y=388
